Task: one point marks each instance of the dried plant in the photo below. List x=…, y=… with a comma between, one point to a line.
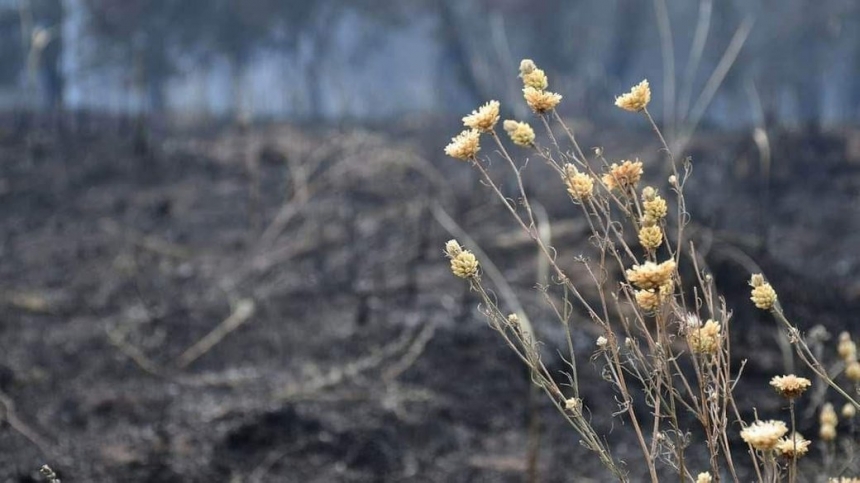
x=665, y=339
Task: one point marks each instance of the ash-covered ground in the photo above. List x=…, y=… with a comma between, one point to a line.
x=271, y=303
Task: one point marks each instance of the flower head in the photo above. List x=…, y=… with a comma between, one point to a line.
x=452, y=248
x=579, y=185
x=536, y=78
x=793, y=446
x=520, y=133
x=827, y=416
x=764, y=435
x=540, y=101
x=484, y=118
x=704, y=339
x=573, y=404
x=650, y=237
x=852, y=371
x=624, y=175
x=848, y=411
x=649, y=300
x=655, y=209
x=527, y=66
x=464, y=265
x=762, y=295
x=704, y=478
x=651, y=275
x=827, y=432
x=847, y=349
x=465, y=145
x=790, y=386
x=635, y=100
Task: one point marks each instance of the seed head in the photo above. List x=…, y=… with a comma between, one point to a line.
x=847, y=349
x=623, y=176
x=527, y=66
x=764, y=435
x=650, y=275
x=650, y=237
x=704, y=478
x=579, y=185
x=705, y=339
x=827, y=416
x=763, y=295
x=790, y=386
x=520, y=133
x=852, y=371
x=601, y=342
x=793, y=446
x=655, y=208
x=635, y=100
x=452, y=248
x=573, y=404
x=541, y=101
x=827, y=432
x=649, y=300
x=848, y=411
x=484, y=118
x=465, y=145
x=536, y=78
x=464, y=265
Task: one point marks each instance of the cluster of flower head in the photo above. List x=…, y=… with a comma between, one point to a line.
x=580, y=185
x=623, y=176
x=762, y=295
x=703, y=339
x=790, y=386
x=635, y=100
x=770, y=436
x=847, y=350
x=827, y=421
x=535, y=83
x=764, y=435
x=463, y=262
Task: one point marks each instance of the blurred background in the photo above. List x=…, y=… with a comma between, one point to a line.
x=222, y=221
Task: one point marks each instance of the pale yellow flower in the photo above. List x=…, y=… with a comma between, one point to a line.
x=764, y=435
x=527, y=66
x=537, y=79
x=847, y=349
x=852, y=371
x=790, y=386
x=452, y=248
x=651, y=275
x=484, y=118
x=573, y=404
x=827, y=416
x=649, y=300
x=579, y=185
x=705, y=339
x=793, y=446
x=635, y=100
x=655, y=209
x=762, y=295
x=465, y=145
x=624, y=175
x=650, y=237
x=464, y=265
x=520, y=133
x=848, y=411
x=827, y=432
x=704, y=478
x=541, y=101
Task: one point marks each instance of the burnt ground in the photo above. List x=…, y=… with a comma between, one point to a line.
x=122, y=245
